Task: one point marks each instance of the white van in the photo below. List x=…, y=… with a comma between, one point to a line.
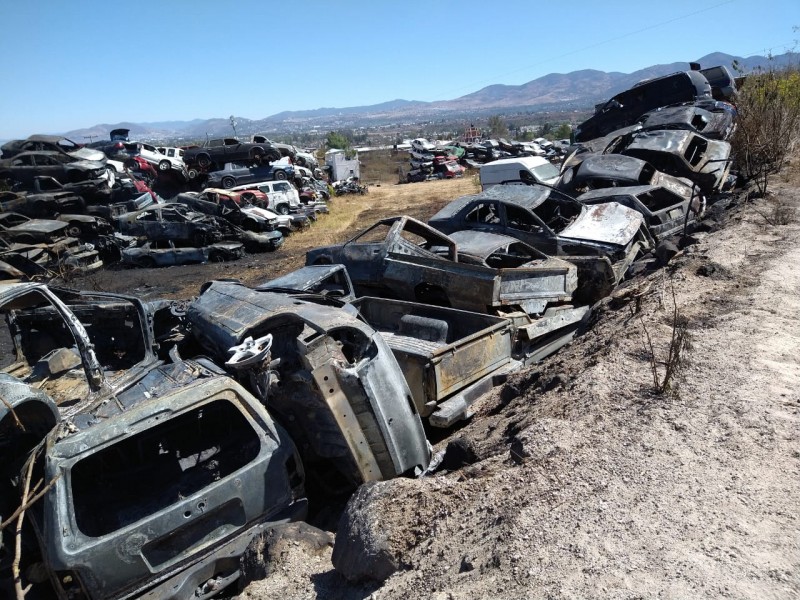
x=526, y=169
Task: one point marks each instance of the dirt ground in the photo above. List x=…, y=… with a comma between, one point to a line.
x=587, y=483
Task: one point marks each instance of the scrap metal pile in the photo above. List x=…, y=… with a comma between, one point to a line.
x=163, y=437
x=71, y=208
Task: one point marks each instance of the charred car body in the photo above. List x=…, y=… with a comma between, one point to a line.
x=161, y=473
x=602, y=241
x=405, y=259
x=329, y=377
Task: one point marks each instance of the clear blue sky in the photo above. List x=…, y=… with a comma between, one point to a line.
x=68, y=64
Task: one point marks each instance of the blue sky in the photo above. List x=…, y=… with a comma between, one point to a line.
x=69, y=64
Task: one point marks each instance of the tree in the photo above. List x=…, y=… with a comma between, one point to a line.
x=497, y=126
x=564, y=131
x=337, y=139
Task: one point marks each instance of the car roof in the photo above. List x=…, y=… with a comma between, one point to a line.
x=45, y=138
x=525, y=196
x=605, y=165
x=482, y=243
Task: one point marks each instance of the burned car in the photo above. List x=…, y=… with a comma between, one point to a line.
x=715, y=125
x=602, y=241
x=684, y=153
x=405, y=259
x=64, y=168
x=168, y=253
x=51, y=143
x=15, y=227
x=326, y=375
x=667, y=209
x=170, y=222
x=160, y=474
x=627, y=106
x=41, y=205
x=663, y=200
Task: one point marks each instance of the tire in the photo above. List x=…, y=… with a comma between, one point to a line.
x=257, y=154
x=164, y=165
x=216, y=257
x=193, y=173
x=204, y=161
x=74, y=230
x=228, y=182
x=146, y=261
x=282, y=209
x=280, y=175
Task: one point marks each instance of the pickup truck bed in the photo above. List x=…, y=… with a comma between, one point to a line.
x=449, y=357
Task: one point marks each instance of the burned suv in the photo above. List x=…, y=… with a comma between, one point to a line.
x=159, y=474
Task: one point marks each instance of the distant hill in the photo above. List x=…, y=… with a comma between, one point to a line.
x=575, y=90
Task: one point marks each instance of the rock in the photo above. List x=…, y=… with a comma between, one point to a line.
x=362, y=550
x=459, y=453
x=665, y=251
x=267, y=551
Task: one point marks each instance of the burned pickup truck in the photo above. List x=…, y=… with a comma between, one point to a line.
x=405, y=259
x=159, y=474
x=449, y=357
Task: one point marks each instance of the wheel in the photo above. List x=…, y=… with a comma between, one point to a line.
x=204, y=161
x=216, y=256
x=193, y=173
x=257, y=154
x=164, y=165
x=228, y=182
x=282, y=209
x=146, y=261
x=74, y=230
x=280, y=175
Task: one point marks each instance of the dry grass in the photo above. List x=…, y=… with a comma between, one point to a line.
x=352, y=213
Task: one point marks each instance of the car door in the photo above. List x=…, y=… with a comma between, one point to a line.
x=524, y=225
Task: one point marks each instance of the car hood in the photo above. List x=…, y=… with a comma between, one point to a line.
x=260, y=213
x=609, y=223
x=89, y=154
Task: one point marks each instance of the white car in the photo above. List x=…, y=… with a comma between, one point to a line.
x=161, y=161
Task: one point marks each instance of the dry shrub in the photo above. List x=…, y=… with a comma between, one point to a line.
x=768, y=125
x=667, y=372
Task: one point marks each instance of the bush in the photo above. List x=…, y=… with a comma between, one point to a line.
x=768, y=125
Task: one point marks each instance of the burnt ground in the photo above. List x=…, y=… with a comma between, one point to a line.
x=584, y=481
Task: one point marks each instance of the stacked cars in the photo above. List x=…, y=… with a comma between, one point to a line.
x=110, y=205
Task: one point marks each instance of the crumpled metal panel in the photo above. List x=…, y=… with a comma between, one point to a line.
x=611, y=223
x=226, y=313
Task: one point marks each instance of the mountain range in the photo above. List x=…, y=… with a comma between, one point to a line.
x=577, y=90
